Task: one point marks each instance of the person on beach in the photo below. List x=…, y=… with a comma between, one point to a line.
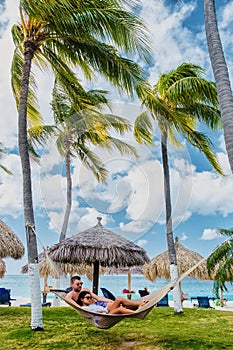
x=76, y=285
x=118, y=306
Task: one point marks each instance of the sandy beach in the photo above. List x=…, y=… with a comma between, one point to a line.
x=186, y=304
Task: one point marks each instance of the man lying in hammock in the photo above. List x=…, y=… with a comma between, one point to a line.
x=76, y=284
x=118, y=306
x=73, y=295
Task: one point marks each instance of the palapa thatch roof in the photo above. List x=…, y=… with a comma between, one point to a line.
x=49, y=268
x=134, y=270
x=160, y=265
x=98, y=244
x=10, y=244
x=2, y=268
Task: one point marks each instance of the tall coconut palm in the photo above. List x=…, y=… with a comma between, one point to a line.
x=220, y=265
x=178, y=100
x=62, y=35
x=221, y=75
x=76, y=132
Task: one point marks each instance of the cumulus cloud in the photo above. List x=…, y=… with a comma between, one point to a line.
x=209, y=234
x=172, y=43
x=183, y=237
x=212, y=194
x=142, y=242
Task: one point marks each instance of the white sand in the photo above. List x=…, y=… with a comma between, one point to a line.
x=24, y=300
x=189, y=304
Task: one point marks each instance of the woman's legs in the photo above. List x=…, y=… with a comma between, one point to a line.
x=124, y=302
x=121, y=310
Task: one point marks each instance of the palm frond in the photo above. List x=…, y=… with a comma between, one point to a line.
x=91, y=161
x=6, y=169
x=203, y=143
x=122, y=147
x=39, y=135
x=34, y=116
x=143, y=129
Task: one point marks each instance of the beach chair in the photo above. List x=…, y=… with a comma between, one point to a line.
x=107, y=294
x=5, y=296
x=163, y=301
x=204, y=302
x=143, y=292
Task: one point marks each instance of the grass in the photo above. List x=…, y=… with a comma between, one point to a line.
x=198, y=329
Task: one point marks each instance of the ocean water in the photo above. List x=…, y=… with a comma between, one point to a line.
x=19, y=285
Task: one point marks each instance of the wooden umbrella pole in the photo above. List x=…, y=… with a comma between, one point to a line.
x=96, y=277
x=129, y=281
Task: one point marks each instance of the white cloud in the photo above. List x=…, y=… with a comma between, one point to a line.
x=172, y=43
x=89, y=219
x=11, y=187
x=142, y=242
x=209, y=234
x=212, y=194
x=183, y=237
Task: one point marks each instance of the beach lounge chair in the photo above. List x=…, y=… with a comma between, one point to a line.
x=204, y=302
x=143, y=292
x=163, y=301
x=107, y=294
x=5, y=296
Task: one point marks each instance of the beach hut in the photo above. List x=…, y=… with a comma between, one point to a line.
x=98, y=246
x=10, y=244
x=160, y=265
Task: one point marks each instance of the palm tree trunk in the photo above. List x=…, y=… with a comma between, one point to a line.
x=169, y=229
x=68, y=196
x=221, y=75
x=33, y=266
x=221, y=297
x=56, y=301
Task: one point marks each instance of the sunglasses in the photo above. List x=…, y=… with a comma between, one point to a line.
x=79, y=284
x=88, y=298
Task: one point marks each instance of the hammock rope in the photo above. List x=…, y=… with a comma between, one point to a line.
x=105, y=321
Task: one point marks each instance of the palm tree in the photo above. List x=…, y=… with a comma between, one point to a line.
x=220, y=265
x=221, y=75
x=75, y=132
x=62, y=35
x=178, y=100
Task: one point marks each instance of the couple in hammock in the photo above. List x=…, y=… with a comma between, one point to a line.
x=92, y=302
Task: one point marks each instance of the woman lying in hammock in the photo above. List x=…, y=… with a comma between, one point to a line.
x=118, y=306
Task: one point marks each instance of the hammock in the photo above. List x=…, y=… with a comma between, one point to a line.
x=105, y=321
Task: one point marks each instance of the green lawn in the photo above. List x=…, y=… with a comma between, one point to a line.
x=64, y=329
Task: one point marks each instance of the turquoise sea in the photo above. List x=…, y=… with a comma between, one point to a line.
x=19, y=285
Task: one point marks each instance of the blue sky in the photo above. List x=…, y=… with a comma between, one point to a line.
x=132, y=202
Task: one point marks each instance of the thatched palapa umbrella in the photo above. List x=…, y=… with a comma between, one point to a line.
x=49, y=268
x=98, y=246
x=10, y=244
x=160, y=265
